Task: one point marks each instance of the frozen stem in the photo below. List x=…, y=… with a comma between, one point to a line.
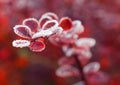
x=80, y=68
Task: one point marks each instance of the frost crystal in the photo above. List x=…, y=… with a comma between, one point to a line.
x=21, y=43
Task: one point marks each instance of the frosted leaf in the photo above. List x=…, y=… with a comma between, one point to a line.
x=32, y=23
x=52, y=15
x=54, y=37
x=42, y=33
x=75, y=36
x=77, y=27
x=43, y=20
x=92, y=67
x=67, y=38
x=85, y=53
x=98, y=78
x=69, y=52
x=66, y=23
x=67, y=71
x=50, y=24
x=21, y=43
x=22, y=31
x=64, y=60
x=37, y=45
x=87, y=42
x=64, y=48
x=59, y=30
x=84, y=58
x=56, y=31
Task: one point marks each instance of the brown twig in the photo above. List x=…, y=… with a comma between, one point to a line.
x=80, y=68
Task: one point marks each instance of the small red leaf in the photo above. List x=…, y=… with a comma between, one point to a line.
x=66, y=61
x=52, y=15
x=37, y=45
x=22, y=31
x=43, y=20
x=92, y=67
x=50, y=24
x=21, y=43
x=67, y=71
x=66, y=23
x=98, y=78
x=32, y=24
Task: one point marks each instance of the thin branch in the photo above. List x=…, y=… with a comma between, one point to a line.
x=80, y=68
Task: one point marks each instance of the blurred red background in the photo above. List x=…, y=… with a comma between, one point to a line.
x=101, y=19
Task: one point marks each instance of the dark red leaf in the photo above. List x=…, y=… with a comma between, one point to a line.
x=37, y=45
x=32, y=24
x=66, y=23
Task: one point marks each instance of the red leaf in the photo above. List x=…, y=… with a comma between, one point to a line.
x=37, y=45
x=43, y=20
x=50, y=24
x=32, y=24
x=22, y=31
x=66, y=23
x=52, y=15
x=67, y=71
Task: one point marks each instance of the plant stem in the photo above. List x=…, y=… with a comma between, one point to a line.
x=80, y=68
